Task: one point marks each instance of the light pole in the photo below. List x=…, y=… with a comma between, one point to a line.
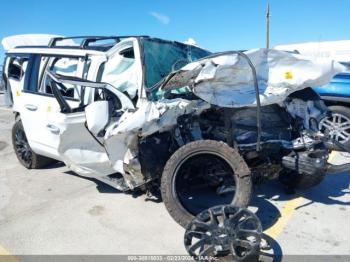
x=268, y=26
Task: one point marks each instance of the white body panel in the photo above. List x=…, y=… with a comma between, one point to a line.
x=38, y=114
x=81, y=153
x=226, y=80
x=97, y=116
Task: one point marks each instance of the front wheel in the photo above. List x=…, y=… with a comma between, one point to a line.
x=203, y=174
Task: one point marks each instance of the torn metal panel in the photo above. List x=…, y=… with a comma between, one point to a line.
x=118, y=151
x=121, y=137
x=226, y=80
x=79, y=150
x=153, y=117
x=306, y=106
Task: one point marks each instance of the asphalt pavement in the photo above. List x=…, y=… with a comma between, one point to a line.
x=55, y=211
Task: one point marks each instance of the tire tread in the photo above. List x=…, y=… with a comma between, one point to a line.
x=242, y=198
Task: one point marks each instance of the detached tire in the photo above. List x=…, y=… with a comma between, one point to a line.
x=216, y=152
x=24, y=153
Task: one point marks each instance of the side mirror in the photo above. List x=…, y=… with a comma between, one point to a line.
x=97, y=116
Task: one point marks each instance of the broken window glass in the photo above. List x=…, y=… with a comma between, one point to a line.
x=122, y=72
x=162, y=57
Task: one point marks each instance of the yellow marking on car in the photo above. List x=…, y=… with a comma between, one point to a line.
x=18, y=93
x=288, y=75
x=49, y=109
x=286, y=213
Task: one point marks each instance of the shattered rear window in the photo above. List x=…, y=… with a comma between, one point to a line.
x=161, y=56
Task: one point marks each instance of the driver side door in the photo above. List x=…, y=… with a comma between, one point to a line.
x=82, y=129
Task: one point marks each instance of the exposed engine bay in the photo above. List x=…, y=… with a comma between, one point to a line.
x=289, y=137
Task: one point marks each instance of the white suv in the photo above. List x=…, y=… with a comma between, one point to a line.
x=119, y=110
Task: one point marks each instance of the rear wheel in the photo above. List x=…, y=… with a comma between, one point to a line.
x=24, y=153
x=201, y=175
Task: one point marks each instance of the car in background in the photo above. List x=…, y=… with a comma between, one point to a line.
x=336, y=94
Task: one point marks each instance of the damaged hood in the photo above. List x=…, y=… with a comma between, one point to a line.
x=226, y=79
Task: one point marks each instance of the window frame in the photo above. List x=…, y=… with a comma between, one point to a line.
x=11, y=58
x=40, y=71
x=48, y=65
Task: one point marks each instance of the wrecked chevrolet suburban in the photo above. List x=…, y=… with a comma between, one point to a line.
x=141, y=113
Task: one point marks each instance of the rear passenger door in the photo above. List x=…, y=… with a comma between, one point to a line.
x=37, y=102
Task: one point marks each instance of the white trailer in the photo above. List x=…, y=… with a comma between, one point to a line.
x=336, y=50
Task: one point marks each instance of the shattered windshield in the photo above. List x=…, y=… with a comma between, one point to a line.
x=161, y=57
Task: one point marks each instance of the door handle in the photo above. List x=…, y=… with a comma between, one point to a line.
x=54, y=129
x=31, y=107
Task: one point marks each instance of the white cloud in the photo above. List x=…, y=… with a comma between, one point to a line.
x=160, y=17
x=191, y=41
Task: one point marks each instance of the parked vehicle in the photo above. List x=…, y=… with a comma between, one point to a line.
x=336, y=94
x=142, y=113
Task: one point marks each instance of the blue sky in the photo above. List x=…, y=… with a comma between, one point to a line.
x=216, y=25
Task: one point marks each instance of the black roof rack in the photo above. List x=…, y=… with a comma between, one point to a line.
x=87, y=40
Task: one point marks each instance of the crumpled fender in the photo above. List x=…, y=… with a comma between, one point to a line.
x=226, y=80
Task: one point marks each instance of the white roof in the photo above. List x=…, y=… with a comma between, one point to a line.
x=336, y=50
x=26, y=40
x=55, y=51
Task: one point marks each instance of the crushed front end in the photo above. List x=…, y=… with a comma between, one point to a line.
x=261, y=105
